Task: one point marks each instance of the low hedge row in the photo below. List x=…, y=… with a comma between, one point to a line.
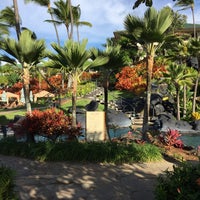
x=82, y=151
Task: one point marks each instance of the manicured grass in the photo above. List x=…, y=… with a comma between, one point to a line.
x=81, y=103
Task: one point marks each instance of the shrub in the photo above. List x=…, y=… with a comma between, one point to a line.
x=171, y=138
x=196, y=116
x=50, y=123
x=7, y=184
x=108, y=152
x=182, y=183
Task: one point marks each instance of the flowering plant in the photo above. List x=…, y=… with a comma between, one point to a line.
x=171, y=138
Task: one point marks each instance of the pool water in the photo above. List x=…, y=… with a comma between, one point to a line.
x=191, y=140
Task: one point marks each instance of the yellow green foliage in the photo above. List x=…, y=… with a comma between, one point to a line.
x=196, y=116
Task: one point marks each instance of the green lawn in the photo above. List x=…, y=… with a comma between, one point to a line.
x=7, y=115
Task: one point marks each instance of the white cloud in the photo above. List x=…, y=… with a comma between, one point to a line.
x=106, y=17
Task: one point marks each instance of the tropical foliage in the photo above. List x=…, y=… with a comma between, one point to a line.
x=7, y=183
x=177, y=76
x=134, y=78
x=75, y=59
x=181, y=183
x=171, y=138
x=28, y=52
x=50, y=123
x=149, y=31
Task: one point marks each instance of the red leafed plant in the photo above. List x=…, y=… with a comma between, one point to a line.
x=171, y=138
x=50, y=123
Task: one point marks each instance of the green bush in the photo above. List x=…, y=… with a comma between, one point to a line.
x=7, y=184
x=182, y=183
x=82, y=151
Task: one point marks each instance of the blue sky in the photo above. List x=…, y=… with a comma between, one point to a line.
x=106, y=16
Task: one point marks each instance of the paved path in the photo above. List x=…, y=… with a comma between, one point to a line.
x=84, y=181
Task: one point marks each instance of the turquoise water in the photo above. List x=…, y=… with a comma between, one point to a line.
x=191, y=140
x=188, y=140
x=118, y=132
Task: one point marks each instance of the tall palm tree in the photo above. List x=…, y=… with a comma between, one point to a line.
x=194, y=50
x=28, y=52
x=47, y=3
x=176, y=76
x=77, y=22
x=71, y=18
x=185, y=4
x=62, y=15
x=116, y=61
x=150, y=33
x=176, y=50
x=75, y=59
x=7, y=17
x=17, y=18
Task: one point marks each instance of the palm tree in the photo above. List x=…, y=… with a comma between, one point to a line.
x=62, y=14
x=176, y=76
x=116, y=61
x=185, y=4
x=71, y=18
x=194, y=50
x=150, y=33
x=28, y=52
x=75, y=59
x=147, y=3
x=177, y=51
x=4, y=28
x=7, y=17
x=17, y=18
x=47, y=3
x=77, y=22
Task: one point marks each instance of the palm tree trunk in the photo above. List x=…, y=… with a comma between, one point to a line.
x=195, y=93
x=178, y=103
x=17, y=21
x=193, y=19
x=71, y=17
x=74, y=97
x=78, y=36
x=26, y=79
x=54, y=24
x=184, y=100
x=58, y=40
x=105, y=86
x=145, y=126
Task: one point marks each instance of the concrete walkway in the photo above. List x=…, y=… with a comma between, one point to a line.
x=84, y=181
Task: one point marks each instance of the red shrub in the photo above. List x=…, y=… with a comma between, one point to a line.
x=49, y=123
x=171, y=138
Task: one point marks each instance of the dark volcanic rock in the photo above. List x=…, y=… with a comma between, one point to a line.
x=92, y=106
x=115, y=119
x=196, y=125
x=118, y=119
